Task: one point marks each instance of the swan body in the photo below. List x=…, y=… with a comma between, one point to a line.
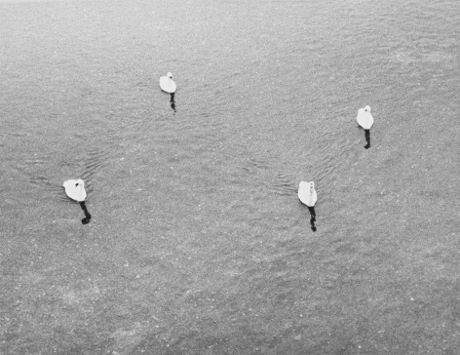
x=75, y=189
x=167, y=83
x=307, y=193
x=364, y=118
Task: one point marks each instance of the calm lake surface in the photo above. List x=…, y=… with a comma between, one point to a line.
x=198, y=243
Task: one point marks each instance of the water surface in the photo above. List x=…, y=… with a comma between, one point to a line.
x=198, y=243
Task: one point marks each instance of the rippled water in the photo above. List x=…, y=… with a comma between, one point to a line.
x=198, y=242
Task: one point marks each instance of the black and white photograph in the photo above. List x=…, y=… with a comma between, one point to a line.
x=230, y=177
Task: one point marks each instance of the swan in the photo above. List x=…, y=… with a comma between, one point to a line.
x=75, y=189
x=307, y=193
x=167, y=83
x=364, y=118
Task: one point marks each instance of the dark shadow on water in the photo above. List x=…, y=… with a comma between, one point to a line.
x=173, y=102
x=87, y=215
x=367, y=135
x=312, y=218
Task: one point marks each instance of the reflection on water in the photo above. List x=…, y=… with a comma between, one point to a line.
x=197, y=216
x=313, y=218
x=87, y=215
x=173, y=102
x=367, y=135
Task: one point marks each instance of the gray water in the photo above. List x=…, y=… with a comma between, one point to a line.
x=198, y=243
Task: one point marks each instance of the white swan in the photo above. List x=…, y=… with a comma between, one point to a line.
x=167, y=83
x=75, y=189
x=364, y=118
x=307, y=193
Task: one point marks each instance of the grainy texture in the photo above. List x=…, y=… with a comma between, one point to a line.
x=198, y=244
